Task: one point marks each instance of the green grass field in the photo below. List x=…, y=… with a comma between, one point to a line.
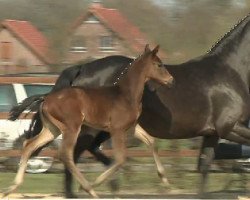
x=131, y=181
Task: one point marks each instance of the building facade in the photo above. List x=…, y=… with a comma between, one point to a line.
x=22, y=48
x=103, y=31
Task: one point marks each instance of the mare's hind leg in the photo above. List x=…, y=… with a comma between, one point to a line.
x=142, y=135
x=66, y=156
x=87, y=141
x=119, y=148
x=40, y=140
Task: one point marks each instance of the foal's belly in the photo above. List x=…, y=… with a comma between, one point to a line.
x=110, y=119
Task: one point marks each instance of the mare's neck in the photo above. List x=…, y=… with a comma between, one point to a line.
x=132, y=83
x=234, y=50
x=239, y=57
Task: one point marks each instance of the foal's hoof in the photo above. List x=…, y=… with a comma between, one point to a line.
x=93, y=194
x=9, y=190
x=167, y=188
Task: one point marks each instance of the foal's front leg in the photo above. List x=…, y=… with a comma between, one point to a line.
x=142, y=135
x=119, y=148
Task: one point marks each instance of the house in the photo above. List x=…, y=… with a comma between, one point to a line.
x=103, y=31
x=22, y=48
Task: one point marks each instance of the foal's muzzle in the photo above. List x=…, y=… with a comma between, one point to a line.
x=170, y=82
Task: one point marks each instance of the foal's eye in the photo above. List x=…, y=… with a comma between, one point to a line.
x=156, y=63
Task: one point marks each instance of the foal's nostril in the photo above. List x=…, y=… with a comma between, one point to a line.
x=171, y=82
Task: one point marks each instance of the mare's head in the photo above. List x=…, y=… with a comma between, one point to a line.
x=155, y=68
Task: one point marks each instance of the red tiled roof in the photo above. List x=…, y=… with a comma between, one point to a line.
x=30, y=36
x=119, y=24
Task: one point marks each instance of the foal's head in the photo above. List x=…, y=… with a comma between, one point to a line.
x=155, y=68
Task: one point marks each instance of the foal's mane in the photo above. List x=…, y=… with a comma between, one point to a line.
x=235, y=30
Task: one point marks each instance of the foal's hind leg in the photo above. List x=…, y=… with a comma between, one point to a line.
x=66, y=155
x=150, y=142
x=40, y=140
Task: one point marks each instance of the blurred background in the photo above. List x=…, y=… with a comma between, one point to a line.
x=57, y=29
x=47, y=36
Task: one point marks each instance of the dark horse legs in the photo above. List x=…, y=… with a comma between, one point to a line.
x=206, y=157
x=92, y=144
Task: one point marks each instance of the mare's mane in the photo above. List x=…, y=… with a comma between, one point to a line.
x=231, y=34
x=126, y=68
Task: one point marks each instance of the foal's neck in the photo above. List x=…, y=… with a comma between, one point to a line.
x=132, y=83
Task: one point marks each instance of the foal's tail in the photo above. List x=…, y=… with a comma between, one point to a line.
x=31, y=104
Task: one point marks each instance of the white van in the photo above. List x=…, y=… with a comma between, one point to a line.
x=13, y=90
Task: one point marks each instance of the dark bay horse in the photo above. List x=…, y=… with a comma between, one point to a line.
x=64, y=112
x=210, y=97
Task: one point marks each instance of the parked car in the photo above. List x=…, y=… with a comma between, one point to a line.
x=13, y=90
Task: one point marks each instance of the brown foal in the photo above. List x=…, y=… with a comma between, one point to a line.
x=114, y=109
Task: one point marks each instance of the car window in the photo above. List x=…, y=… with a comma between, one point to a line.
x=32, y=89
x=7, y=98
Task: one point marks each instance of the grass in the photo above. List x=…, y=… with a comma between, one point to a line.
x=141, y=182
x=138, y=179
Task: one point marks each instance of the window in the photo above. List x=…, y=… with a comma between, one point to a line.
x=92, y=19
x=106, y=43
x=78, y=44
x=6, y=51
x=32, y=89
x=7, y=98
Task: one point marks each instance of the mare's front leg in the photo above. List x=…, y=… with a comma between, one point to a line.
x=239, y=133
x=119, y=148
x=142, y=135
x=66, y=156
x=242, y=131
x=33, y=144
x=206, y=157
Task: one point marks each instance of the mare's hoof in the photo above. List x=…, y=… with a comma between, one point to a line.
x=114, y=185
x=71, y=195
x=204, y=195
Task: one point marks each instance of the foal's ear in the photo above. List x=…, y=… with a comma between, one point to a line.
x=147, y=49
x=155, y=50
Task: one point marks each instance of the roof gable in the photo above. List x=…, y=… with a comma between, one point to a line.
x=119, y=24
x=30, y=36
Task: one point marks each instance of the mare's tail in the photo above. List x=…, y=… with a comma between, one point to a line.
x=31, y=104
